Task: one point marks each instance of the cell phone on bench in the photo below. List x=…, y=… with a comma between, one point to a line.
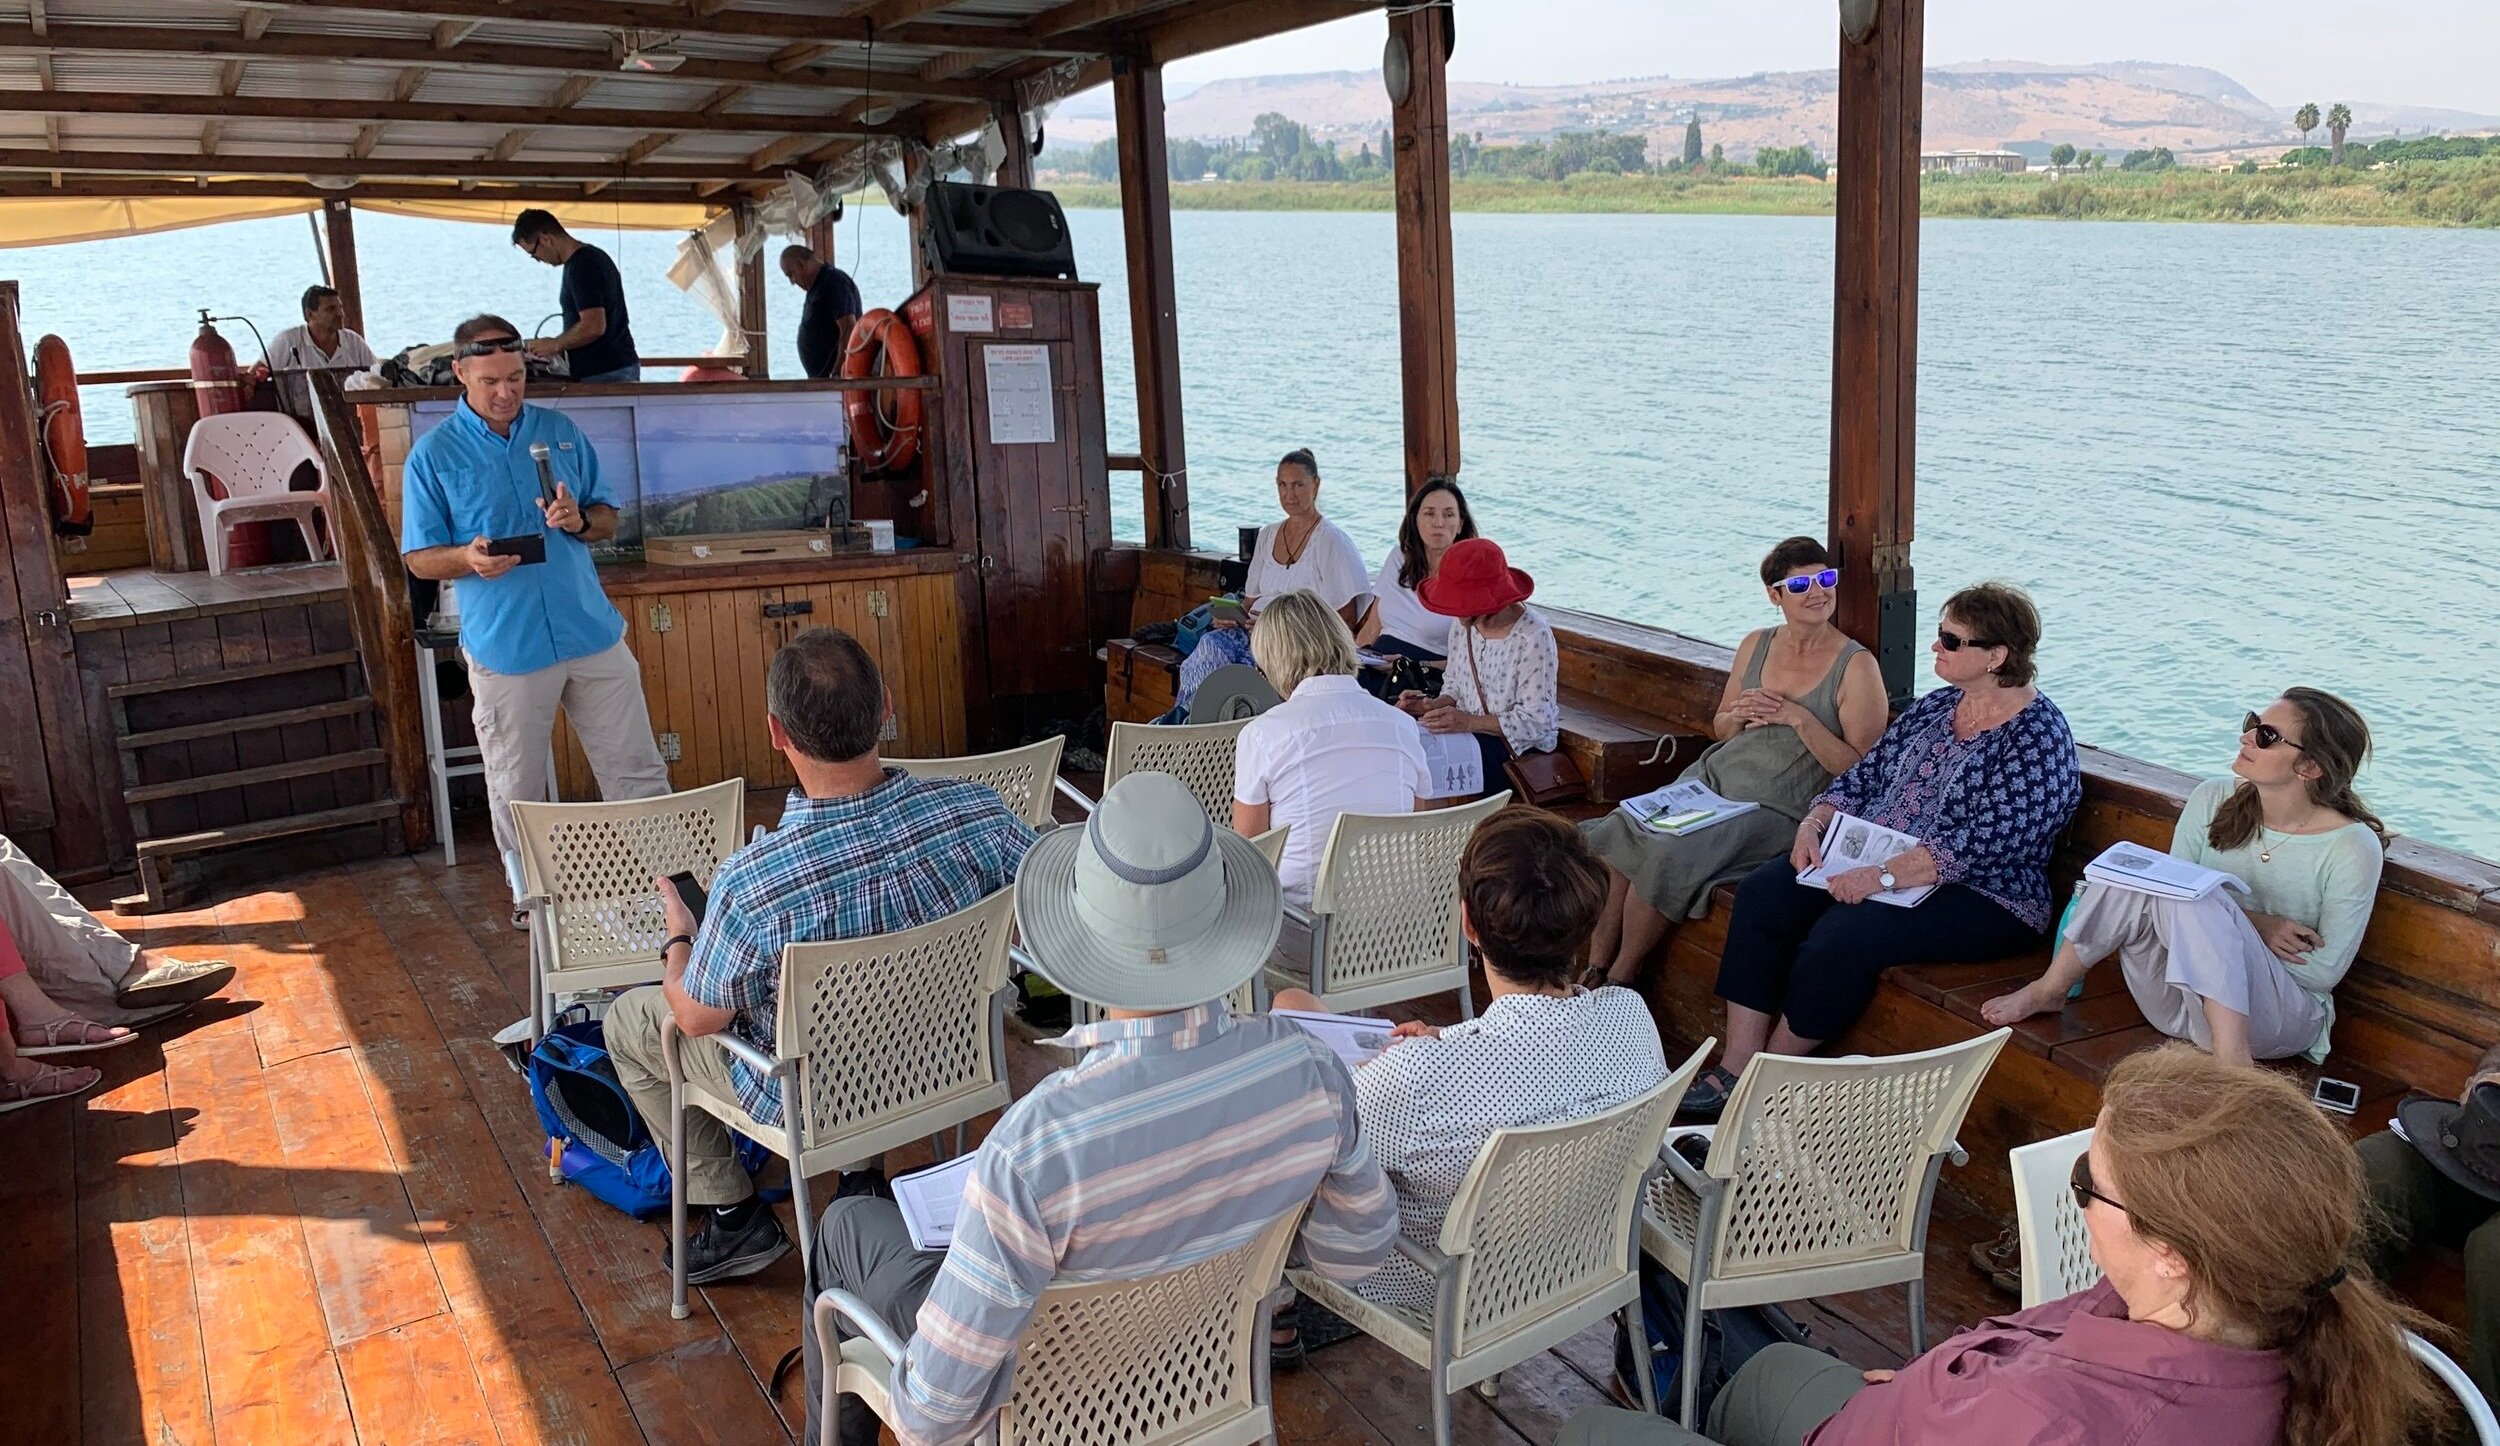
x=2341, y=1097
x=690, y=894
x=529, y=547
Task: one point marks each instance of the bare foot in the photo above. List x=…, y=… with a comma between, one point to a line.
x=2037, y=997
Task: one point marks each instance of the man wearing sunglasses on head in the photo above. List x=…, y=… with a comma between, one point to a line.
x=597, y=342
x=502, y=498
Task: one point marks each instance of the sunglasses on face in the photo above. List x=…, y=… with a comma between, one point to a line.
x=1954, y=643
x=1827, y=579
x=490, y=348
x=2266, y=734
x=2085, y=1191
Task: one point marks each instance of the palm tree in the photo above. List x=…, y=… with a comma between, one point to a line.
x=2338, y=121
x=2307, y=121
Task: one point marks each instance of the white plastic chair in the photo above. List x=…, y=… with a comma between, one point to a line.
x=1200, y=755
x=586, y=872
x=1539, y=1245
x=877, y=1042
x=1818, y=1182
x=1021, y=776
x=2057, y=1260
x=1178, y=1359
x=1384, y=910
x=254, y=455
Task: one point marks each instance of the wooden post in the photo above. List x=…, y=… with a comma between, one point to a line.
x=1017, y=169
x=1427, y=295
x=820, y=239
x=753, y=320
x=1875, y=339
x=338, y=221
x=1153, y=306
x=916, y=222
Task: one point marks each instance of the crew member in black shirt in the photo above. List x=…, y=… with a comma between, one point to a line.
x=598, y=339
x=833, y=307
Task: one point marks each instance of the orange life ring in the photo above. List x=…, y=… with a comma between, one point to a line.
x=64, y=435
x=885, y=426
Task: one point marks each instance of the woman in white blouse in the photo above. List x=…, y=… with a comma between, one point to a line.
x=1305, y=550
x=1400, y=625
x=1500, y=683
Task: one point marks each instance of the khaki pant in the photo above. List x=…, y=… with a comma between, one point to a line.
x=1773, y=1400
x=711, y=1170
x=2417, y=1206
x=515, y=714
x=79, y=963
x=2178, y=953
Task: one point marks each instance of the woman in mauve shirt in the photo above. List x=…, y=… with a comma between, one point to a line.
x=2222, y=1208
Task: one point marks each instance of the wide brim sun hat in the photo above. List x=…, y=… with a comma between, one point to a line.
x=2461, y=1143
x=1148, y=905
x=1474, y=579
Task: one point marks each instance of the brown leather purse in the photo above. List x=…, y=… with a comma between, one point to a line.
x=1540, y=779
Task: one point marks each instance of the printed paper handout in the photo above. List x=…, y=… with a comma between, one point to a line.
x=2151, y=871
x=1683, y=807
x=1455, y=763
x=1355, y=1039
x=930, y=1200
x=1850, y=842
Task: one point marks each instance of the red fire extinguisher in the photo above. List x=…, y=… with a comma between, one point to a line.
x=215, y=384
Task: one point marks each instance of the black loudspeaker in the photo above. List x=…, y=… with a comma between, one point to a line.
x=996, y=231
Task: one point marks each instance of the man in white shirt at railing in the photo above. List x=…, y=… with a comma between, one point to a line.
x=321, y=343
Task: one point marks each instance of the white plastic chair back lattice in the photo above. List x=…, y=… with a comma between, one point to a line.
x=253, y=455
x=1178, y=1359
x=2469, y=1396
x=1537, y=1246
x=1384, y=908
x=2056, y=1249
x=588, y=867
x=1200, y=755
x=1021, y=776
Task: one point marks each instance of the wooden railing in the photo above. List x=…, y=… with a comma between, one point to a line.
x=377, y=603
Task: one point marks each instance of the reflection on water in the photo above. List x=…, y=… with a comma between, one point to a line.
x=2224, y=459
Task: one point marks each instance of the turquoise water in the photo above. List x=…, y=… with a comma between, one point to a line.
x=2225, y=459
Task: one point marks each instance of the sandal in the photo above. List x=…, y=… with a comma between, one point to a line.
x=43, y=1039
x=1707, y=1099
x=48, y=1082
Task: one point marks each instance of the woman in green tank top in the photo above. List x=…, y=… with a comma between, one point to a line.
x=1802, y=703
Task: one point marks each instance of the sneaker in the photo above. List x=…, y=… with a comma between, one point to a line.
x=175, y=981
x=870, y=1182
x=1707, y=1099
x=717, y=1253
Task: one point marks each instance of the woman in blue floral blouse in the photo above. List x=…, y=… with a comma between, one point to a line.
x=1982, y=772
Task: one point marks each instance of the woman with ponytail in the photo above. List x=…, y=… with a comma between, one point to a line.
x=2248, y=977
x=2223, y=1210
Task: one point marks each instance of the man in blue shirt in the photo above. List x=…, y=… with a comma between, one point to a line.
x=538, y=635
x=832, y=309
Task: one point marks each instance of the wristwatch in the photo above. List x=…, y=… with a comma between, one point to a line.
x=1887, y=880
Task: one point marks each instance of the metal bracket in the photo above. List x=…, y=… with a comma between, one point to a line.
x=803, y=607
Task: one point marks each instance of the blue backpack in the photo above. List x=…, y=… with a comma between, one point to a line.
x=1729, y=1338
x=595, y=1137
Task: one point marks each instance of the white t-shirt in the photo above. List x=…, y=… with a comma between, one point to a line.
x=1402, y=614
x=1329, y=565
x=294, y=351
x=1329, y=749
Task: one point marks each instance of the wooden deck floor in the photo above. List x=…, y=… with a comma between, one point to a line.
x=316, y=1211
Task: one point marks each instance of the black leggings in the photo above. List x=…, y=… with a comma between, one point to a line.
x=1793, y=952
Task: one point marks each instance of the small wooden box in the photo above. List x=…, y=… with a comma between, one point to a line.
x=720, y=549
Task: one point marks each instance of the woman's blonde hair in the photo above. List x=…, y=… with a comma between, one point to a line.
x=2262, y=1197
x=1299, y=636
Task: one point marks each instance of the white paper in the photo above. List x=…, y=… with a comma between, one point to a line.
x=1686, y=796
x=1021, y=407
x=1355, y=1039
x=968, y=313
x=1850, y=842
x=2163, y=875
x=931, y=1199
x=1454, y=761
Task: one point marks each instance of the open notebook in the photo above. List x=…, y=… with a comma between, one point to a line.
x=1357, y=1040
x=931, y=1199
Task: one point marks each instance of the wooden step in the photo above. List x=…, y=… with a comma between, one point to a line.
x=278, y=668
x=250, y=722
x=268, y=828
x=246, y=777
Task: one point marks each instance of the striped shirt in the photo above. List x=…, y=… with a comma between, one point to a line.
x=1176, y=1138
x=908, y=852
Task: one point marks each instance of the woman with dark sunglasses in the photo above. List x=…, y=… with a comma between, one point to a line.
x=1802, y=703
x=1982, y=773
x=2251, y=977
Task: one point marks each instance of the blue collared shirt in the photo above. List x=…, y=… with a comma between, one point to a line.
x=462, y=482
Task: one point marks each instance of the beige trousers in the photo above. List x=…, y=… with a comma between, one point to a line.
x=516, y=713
x=79, y=963
x=633, y=1035
x=2177, y=954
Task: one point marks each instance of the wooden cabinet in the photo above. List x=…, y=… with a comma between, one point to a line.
x=705, y=640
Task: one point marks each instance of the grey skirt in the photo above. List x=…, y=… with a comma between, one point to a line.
x=1674, y=873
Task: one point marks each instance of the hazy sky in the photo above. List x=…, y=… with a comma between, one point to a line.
x=2416, y=52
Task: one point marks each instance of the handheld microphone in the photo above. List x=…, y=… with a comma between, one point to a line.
x=546, y=473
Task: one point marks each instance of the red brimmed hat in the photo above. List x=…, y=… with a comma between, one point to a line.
x=1474, y=579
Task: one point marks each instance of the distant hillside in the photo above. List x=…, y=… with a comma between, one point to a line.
x=2113, y=106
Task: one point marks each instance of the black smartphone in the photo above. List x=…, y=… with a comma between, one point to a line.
x=529, y=547
x=690, y=894
x=2341, y=1097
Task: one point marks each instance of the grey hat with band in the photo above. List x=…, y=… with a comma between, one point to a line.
x=1148, y=905
x=2461, y=1141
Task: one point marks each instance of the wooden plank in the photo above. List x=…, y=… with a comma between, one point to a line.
x=270, y=1374
x=760, y=1316
x=1389, y=1392
x=300, y=1013
x=226, y=727
x=250, y=777
x=699, y=1393
x=413, y=1385
x=1153, y=300
x=100, y=666
x=265, y=829
x=677, y=667
x=140, y=1370
x=289, y=633
x=703, y=644
x=369, y=1261
x=199, y=669
x=1427, y=271
x=39, y=1232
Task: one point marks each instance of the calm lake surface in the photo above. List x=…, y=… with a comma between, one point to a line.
x=2225, y=459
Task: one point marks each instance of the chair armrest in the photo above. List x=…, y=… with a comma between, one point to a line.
x=1953, y=1151
x=1300, y=915
x=1430, y=1259
x=1022, y=960
x=522, y=898
x=1683, y=1170
x=1073, y=794
x=739, y=1049
x=862, y=1320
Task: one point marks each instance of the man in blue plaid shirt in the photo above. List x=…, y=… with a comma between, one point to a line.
x=862, y=849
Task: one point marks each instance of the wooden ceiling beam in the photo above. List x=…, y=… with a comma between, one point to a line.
x=367, y=137
x=273, y=107
x=210, y=135
x=649, y=146
x=792, y=66
x=449, y=33
x=508, y=146
x=255, y=22
x=614, y=15
x=407, y=83
x=569, y=94
x=1086, y=14
x=574, y=169
x=20, y=184
x=230, y=78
